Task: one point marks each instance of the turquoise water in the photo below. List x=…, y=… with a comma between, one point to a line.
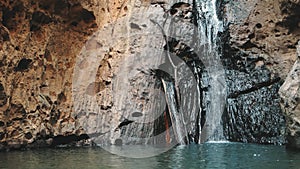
x=206, y=156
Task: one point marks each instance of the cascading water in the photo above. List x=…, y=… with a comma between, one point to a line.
x=209, y=27
x=172, y=71
x=209, y=74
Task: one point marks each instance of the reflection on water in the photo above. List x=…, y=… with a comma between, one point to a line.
x=138, y=151
x=210, y=155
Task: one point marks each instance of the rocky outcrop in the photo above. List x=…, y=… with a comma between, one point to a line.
x=290, y=94
x=259, y=51
x=40, y=43
x=133, y=107
x=263, y=34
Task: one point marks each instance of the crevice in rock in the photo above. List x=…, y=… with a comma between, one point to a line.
x=125, y=122
x=118, y=142
x=4, y=34
x=3, y=96
x=23, y=64
x=258, y=25
x=87, y=16
x=105, y=107
x=292, y=19
x=135, y=26
x=2, y=123
x=137, y=114
x=73, y=138
x=39, y=19
x=61, y=140
x=2, y=135
x=183, y=10
x=28, y=136
x=61, y=97
x=254, y=88
x=158, y=2
x=248, y=45
x=11, y=17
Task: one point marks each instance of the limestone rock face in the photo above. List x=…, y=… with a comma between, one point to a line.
x=40, y=45
x=114, y=85
x=40, y=42
x=290, y=94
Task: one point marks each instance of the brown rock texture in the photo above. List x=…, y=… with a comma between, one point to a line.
x=113, y=81
x=290, y=94
x=44, y=42
x=39, y=44
x=266, y=30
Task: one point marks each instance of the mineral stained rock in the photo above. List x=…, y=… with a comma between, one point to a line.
x=40, y=42
x=258, y=53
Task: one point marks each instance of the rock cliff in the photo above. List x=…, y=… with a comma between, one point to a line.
x=289, y=93
x=41, y=41
x=259, y=53
x=39, y=44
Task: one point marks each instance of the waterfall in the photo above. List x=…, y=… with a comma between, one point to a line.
x=162, y=74
x=209, y=27
x=208, y=104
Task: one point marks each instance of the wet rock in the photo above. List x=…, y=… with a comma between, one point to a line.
x=253, y=112
x=258, y=54
x=255, y=117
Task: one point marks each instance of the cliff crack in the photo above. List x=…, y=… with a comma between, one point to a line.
x=254, y=88
x=61, y=140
